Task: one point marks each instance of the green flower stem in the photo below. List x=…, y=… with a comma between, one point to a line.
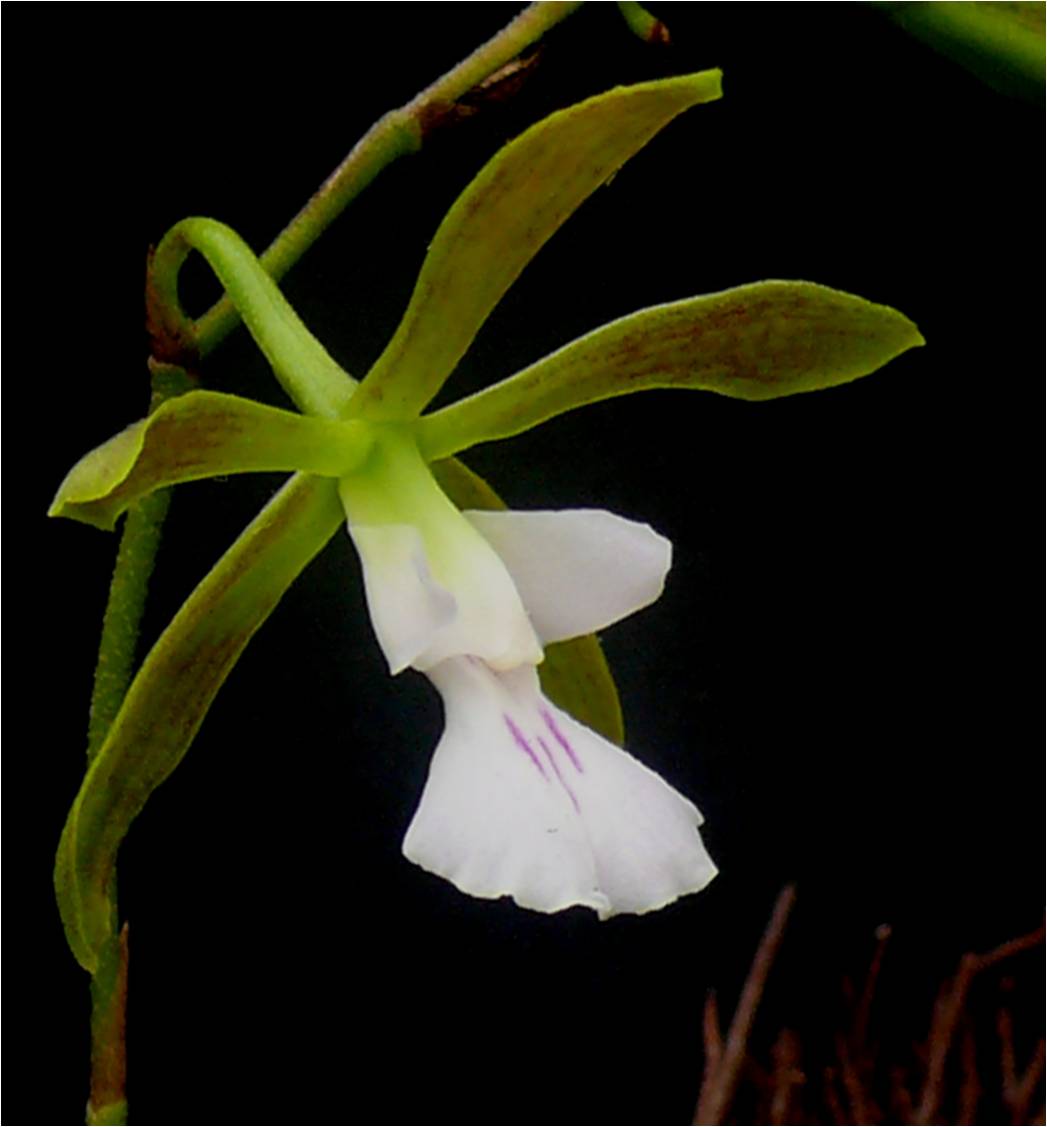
x=108, y=1102
x=315, y=383
x=127, y=593
x=397, y=133
x=640, y=22
x=127, y=589
x=116, y=655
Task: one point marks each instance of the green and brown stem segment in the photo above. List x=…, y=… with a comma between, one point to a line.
x=108, y=1102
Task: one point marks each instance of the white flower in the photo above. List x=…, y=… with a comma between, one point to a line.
x=521, y=799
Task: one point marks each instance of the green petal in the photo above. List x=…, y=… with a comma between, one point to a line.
x=174, y=689
x=759, y=341
x=1001, y=41
x=575, y=674
x=501, y=220
x=203, y=434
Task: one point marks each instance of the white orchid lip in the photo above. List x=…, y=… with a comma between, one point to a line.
x=523, y=801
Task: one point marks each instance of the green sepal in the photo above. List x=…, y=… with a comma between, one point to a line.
x=501, y=220
x=575, y=674
x=759, y=341
x=172, y=692
x=203, y=434
x=1001, y=41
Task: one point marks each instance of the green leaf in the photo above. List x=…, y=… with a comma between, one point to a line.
x=172, y=692
x=203, y=434
x=1001, y=41
x=500, y=222
x=575, y=674
x=759, y=341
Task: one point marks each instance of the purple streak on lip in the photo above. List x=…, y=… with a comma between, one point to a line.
x=563, y=782
x=561, y=739
x=523, y=745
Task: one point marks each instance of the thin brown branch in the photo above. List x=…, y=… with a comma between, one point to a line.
x=852, y=1083
x=832, y=1099
x=787, y=1075
x=860, y=1027
x=970, y=1086
x=947, y=1010
x=712, y=1036
x=1026, y=1087
x=1008, y=1065
x=715, y=1096
x=1010, y=948
x=901, y=1097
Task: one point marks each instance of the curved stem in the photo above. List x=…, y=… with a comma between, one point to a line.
x=300, y=362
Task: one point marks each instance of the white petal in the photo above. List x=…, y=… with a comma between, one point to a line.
x=408, y=606
x=577, y=571
x=523, y=801
x=435, y=587
x=421, y=618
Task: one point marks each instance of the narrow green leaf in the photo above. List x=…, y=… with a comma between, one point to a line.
x=575, y=674
x=759, y=341
x=203, y=434
x=500, y=222
x=174, y=689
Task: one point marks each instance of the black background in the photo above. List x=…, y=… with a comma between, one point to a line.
x=838, y=673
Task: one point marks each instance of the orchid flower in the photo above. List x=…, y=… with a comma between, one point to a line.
x=526, y=795
x=521, y=800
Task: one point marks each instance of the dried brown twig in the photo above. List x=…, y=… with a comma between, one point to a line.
x=720, y=1082
x=955, y=1077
